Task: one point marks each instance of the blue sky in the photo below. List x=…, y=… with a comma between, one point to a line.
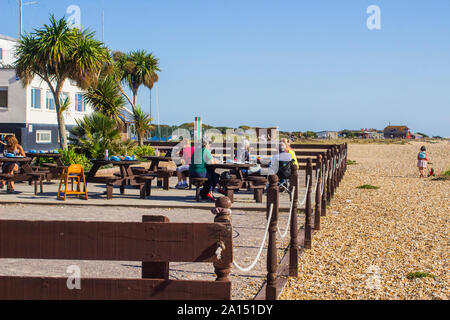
x=299, y=65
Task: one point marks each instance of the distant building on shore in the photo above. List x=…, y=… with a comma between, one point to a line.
x=393, y=132
x=30, y=112
x=327, y=134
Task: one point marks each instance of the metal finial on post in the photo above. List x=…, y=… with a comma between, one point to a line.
x=222, y=211
x=308, y=208
x=272, y=262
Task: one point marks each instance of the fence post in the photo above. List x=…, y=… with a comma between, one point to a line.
x=272, y=261
x=318, y=209
x=330, y=158
x=159, y=270
x=308, y=208
x=325, y=186
x=293, y=249
x=223, y=216
x=333, y=176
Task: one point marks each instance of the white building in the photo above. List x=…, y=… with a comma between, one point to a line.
x=327, y=134
x=29, y=112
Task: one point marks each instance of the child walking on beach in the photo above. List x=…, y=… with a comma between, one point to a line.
x=422, y=161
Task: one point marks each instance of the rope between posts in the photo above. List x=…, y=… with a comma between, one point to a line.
x=323, y=178
x=252, y=265
x=284, y=234
x=306, y=192
x=317, y=179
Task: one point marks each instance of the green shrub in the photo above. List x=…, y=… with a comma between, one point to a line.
x=368, y=186
x=69, y=156
x=447, y=173
x=144, y=151
x=351, y=162
x=419, y=274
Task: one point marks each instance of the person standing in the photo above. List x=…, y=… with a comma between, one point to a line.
x=422, y=161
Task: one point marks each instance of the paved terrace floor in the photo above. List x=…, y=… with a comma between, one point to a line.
x=172, y=198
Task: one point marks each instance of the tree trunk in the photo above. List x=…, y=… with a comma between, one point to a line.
x=134, y=99
x=140, y=139
x=60, y=117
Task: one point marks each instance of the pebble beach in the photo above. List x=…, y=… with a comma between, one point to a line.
x=374, y=242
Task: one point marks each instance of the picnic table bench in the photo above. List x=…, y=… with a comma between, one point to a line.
x=53, y=169
x=26, y=172
x=126, y=177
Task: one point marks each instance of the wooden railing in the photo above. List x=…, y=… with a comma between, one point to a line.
x=155, y=242
x=328, y=179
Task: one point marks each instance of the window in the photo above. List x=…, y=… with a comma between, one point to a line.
x=79, y=103
x=3, y=97
x=63, y=97
x=35, y=98
x=50, y=101
x=1, y=54
x=43, y=136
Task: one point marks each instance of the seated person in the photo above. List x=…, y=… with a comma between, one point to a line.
x=290, y=151
x=198, y=169
x=183, y=170
x=242, y=154
x=12, y=146
x=281, y=163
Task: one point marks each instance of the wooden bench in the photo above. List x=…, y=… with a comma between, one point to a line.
x=198, y=183
x=258, y=184
x=230, y=186
x=155, y=242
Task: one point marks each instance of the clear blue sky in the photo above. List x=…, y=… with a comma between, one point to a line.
x=301, y=65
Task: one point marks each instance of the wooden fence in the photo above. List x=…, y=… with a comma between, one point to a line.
x=155, y=242
x=330, y=167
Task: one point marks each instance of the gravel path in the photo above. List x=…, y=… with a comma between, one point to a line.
x=375, y=238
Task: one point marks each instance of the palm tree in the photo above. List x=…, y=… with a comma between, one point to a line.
x=106, y=98
x=94, y=134
x=55, y=53
x=136, y=69
x=142, y=124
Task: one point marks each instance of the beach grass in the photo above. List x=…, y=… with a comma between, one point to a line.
x=368, y=186
x=419, y=274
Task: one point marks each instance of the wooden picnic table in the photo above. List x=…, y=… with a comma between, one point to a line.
x=126, y=178
x=55, y=169
x=55, y=156
x=25, y=173
x=155, y=161
x=236, y=167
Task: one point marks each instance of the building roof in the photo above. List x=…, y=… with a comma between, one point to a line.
x=396, y=128
x=3, y=37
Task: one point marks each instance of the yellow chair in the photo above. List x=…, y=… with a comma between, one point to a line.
x=74, y=173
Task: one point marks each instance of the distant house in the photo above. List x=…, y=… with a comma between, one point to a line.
x=327, y=134
x=392, y=132
x=417, y=136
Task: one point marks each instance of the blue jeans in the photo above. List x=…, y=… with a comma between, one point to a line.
x=210, y=185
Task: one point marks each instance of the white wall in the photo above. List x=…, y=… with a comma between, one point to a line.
x=45, y=116
x=7, y=45
x=15, y=113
